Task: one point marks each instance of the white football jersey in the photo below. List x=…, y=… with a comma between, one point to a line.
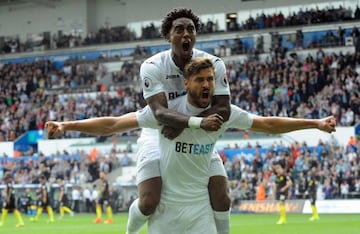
x=185, y=161
x=160, y=74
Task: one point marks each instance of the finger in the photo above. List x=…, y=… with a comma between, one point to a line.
x=219, y=117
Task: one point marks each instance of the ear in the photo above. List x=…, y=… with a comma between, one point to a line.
x=186, y=83
x=167, y=38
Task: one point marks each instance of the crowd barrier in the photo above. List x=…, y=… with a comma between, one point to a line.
x=350, y=206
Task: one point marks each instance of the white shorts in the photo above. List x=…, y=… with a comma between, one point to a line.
x=183, y=219
x=148, y=162
x=216, y=165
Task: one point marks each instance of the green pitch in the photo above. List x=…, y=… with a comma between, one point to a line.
x=242, y=224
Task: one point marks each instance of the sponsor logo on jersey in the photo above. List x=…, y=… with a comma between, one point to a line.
x=194, y=149
x=172, y=77
x=173, y=95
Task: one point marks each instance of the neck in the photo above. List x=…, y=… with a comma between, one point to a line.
x=179, y=62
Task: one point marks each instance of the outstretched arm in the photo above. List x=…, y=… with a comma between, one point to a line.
x=102, y=126
x=276, y=125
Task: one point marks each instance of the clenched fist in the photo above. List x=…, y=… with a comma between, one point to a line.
x=54, y=129
x=212, y=122
x=328, y=124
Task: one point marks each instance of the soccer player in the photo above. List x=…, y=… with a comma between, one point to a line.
x=162, y=80
x=185, y=161
x=9, y=203
x=311, y=192
x=43, y=201
x=63, y=200
x=282, y=184
x=104, y=201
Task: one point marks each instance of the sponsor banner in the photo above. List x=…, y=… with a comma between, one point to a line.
x=291, y=206
x=7, y=149
x=334, y=206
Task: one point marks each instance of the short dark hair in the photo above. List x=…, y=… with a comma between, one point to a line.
x=196, y=65
x=280, y=162
x=176, y=14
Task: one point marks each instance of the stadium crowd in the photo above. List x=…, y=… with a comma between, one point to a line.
x=107, y=34
x=311, y=87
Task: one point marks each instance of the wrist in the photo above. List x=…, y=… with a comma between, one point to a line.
x=194, y=122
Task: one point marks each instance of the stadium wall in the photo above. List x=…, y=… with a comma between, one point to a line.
x=301, y=206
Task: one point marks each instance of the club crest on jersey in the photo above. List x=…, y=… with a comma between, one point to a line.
x=147, y=83
x=224, y=81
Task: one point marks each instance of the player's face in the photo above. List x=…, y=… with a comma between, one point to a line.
x=182, y=37
x=200, y=88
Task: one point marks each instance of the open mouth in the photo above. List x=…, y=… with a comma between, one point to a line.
x=186, y=45
x=205, y=94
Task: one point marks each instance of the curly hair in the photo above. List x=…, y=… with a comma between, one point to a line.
x=176, y=14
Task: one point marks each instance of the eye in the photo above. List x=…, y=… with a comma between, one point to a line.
x=179, y=29
x=191, y=29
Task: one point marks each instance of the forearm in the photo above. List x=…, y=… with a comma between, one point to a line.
x=103, y=125
x=164, y=115
x=277, y=125
x=220, y=105
x=171, y=118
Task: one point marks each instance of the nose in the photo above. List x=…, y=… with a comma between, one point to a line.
x=206, y=84
x=186, y=33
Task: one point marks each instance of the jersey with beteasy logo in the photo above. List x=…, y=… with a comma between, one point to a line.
x=185, y=160
x=160, y=74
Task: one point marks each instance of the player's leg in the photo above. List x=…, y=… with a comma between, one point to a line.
x=61, y=210
x=282, y=210
x=50, y=213
x=20, y=221
x=98, y=211
x=108, y=212
x=65, y=208
x=219, y=196
x=4, y=213
x=38, y=211
x=13, y=207
x=149, y=187
x=68, y=210
x=315, y=215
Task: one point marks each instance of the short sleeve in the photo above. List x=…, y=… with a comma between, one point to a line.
x=239, y=118
x=146, y=119
x=151, y=79
x=221, y=81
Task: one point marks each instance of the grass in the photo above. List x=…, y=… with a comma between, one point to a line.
x=240, y=223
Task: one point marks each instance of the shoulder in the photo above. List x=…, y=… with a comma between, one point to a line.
x=200, y=53
x=156, y=60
